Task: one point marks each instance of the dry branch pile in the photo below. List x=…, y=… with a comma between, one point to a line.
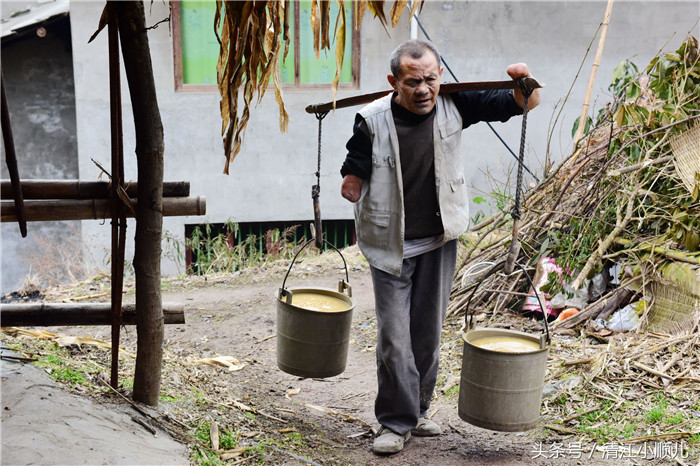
x=618, y=199
x=604, y=388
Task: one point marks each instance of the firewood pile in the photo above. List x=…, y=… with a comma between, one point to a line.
x=621, y=214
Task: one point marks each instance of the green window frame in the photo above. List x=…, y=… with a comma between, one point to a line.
x=195, y=49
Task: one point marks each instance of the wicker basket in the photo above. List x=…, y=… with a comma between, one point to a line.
x=686, y=151
x=676, y=299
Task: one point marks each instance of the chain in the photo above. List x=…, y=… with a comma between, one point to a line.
x=319, y=116
x=521, y=157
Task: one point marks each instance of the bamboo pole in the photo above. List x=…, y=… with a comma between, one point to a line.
x=68, y=314
x=594, y=70
x=89, y=209
x=670, y=253
x=77, y=189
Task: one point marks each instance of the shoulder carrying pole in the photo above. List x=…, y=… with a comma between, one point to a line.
x=445, y=88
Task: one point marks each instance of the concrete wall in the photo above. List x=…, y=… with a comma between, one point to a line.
x=272, y=176
x=38, y=73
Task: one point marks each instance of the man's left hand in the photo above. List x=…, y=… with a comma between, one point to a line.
x=517, y=71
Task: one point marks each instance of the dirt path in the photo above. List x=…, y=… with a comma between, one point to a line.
x=236, y=320
x=280, y=418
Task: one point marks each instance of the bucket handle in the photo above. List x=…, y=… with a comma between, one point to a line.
x=342, y=285
x=494, y=269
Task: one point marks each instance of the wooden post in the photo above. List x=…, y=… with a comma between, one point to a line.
x=149, y=211
x=594, y=70
x=11, y=159
x=118, y=218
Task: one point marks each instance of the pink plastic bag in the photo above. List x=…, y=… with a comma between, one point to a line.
x=545, y=266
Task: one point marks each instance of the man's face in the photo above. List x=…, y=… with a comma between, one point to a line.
x=418, y=83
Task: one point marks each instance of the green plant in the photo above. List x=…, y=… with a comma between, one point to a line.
x=201, y=453
x=649, y=108
x=452, y=391
x=295, y=438
x=604, y=433
x=204, y=457
x=655, y=414
x=59, y=370
x=628, y=430
x=202, y=433
x=496, y=200
x=227, y=251
x=227, y=439
x=173, y=248
x=675, y=419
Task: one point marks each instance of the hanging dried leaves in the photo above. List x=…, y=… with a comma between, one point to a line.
x=339, y=47
x=251, y=35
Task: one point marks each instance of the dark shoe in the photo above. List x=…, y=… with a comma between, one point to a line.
x=388, y=442
x=426, y=428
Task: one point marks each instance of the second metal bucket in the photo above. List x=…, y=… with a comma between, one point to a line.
x=501, y=390
x=313, y=343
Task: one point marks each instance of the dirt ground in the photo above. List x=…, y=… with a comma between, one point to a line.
x=273, y=417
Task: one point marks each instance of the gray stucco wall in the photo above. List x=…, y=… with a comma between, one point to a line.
x=273, y=174
x=38, y=75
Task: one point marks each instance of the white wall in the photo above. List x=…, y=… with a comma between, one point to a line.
x=272, y=176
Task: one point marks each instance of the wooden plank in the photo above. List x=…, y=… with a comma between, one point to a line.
x=68, y=314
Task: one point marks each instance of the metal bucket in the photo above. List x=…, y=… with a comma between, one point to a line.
x=313, y=343
x=501, y=390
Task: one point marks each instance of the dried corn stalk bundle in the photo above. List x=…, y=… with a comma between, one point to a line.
x=618, y=198
x=252, y=35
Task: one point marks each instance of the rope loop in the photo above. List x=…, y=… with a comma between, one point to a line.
x=319, y=116
x=515, y=213
x=522, y=84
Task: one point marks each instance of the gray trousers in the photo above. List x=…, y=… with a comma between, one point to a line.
x=410, y=313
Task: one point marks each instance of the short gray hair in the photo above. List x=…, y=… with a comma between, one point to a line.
x=413, y=48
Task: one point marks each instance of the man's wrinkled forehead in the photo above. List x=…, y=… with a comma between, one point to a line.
x=416, y=67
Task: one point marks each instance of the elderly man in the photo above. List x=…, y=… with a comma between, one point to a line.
x=404, y=173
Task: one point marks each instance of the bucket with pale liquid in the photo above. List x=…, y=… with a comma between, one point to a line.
x=313, y=328
x=502, y=376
